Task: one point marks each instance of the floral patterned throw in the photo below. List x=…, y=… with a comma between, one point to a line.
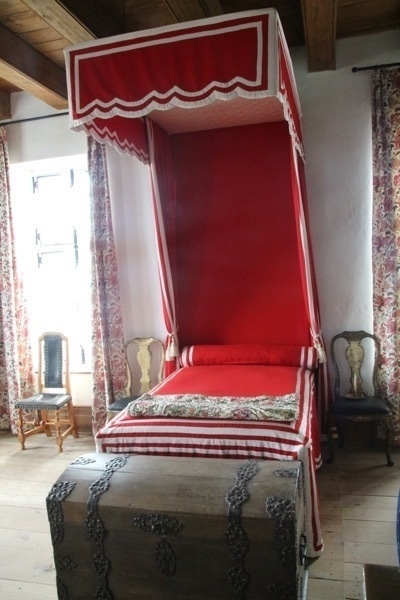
x=197, y=406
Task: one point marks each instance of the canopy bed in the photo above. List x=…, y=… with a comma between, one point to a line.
x=212, y=107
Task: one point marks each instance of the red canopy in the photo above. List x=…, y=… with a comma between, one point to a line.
x=174, y=97
x=164, y=72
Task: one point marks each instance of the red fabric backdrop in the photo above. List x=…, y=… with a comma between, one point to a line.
x=238, y=276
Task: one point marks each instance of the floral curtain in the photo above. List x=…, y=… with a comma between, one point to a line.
x=108, y=364
x=16, y=372
x=386, y=230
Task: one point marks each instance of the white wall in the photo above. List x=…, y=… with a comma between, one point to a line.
x=135, y=244
x=336, y=109
x=44, y=138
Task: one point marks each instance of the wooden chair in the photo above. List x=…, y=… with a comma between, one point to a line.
x=52, y=406
x=357, y=404
x=145, y=359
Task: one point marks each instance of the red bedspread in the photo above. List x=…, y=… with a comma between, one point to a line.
x=283, y=440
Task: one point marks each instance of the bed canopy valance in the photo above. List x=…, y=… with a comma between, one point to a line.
x=163, y=72
x=212, y=107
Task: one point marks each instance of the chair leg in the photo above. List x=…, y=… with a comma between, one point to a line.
x=59, y=436
x=389, y=433
x=72, y=422
x=39, y=426
x=71, y=426
x=44, y=420
x=21, y=433
x=329, y=436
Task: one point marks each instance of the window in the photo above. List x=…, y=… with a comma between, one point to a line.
x=52, y=216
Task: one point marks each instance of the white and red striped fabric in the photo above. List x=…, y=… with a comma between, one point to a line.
x=279, y=440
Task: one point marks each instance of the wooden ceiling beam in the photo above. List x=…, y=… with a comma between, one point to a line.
x=27, y=69
x=5, y=106
x=319, y=19
x=91, y=16
x=197, y=9
x=212, y=8
x=60, y=19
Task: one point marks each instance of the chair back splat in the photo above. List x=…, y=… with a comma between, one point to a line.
x=145, y=359
x=357, y=395
x=51, y=408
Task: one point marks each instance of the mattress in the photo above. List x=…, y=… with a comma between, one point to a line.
x=229, y=438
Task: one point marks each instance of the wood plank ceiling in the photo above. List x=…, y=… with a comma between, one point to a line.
x=34, y=33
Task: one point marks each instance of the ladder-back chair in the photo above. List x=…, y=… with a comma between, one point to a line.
x=51, y=408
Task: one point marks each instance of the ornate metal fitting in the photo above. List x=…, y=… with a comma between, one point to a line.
x=157, y=523
x=161, y=525
x=283, y=512
x=60, y=490
x=83, y=460
x=235, y=536
x=57, y=494
x=166, y=558
x=64, y=563
x=62, y=593
x=96, y=528
x=287, y=473
x=100, y=486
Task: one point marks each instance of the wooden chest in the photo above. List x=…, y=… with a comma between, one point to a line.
x=128, y=526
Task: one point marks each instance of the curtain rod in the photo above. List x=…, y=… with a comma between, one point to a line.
x=395, y=64
x=33, y=118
